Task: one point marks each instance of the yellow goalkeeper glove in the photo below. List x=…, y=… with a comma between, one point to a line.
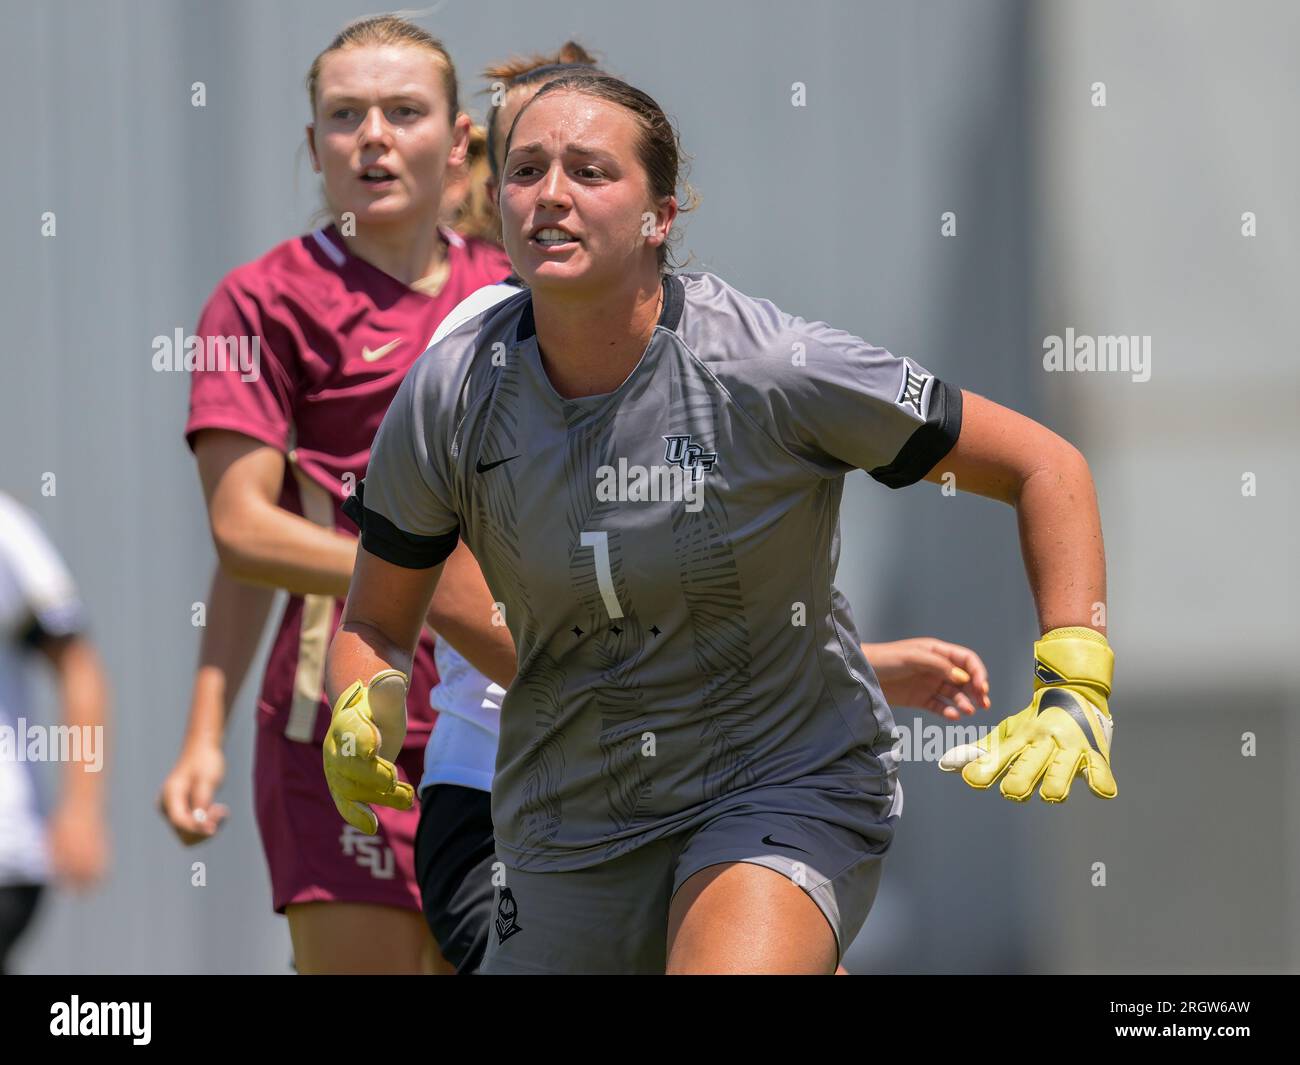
x=365, y=735
x=1064, y=730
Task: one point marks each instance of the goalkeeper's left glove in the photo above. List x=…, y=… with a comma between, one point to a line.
x=1064, y=730
x=365, y=735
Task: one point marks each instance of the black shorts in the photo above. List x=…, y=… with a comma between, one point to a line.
x=454, y=852
x=17, y=907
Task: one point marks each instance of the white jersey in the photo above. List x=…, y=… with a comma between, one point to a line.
x=37, y=600
x=463, y=746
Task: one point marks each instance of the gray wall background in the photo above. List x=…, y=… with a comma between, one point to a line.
x=1116, y=220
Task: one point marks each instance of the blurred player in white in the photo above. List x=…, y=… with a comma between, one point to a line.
x=41, y=615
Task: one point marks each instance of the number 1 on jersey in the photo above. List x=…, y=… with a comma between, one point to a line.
x=599, y=543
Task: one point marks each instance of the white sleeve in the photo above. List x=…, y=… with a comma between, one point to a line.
x=475, y=303
x=43, y=581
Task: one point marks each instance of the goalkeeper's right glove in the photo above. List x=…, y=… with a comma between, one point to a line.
x=366, y=732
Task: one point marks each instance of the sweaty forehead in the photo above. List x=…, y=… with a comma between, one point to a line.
x=574, y=118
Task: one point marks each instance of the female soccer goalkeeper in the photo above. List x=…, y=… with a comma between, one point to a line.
x=695, y=770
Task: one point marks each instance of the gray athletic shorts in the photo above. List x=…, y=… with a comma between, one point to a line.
x=613, y=917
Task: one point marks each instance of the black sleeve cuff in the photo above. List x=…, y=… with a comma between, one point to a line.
x=930, y=442
x=43, y=632
x=385, y=540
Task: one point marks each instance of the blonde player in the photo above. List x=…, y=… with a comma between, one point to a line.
x=338, y=317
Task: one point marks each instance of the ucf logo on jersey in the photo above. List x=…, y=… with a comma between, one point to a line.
x=680, y=480
x=690, y=457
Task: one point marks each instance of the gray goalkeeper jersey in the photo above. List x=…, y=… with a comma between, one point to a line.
x=664, y=556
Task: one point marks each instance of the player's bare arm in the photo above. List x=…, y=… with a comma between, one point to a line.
x=1005, y=456
x=258, y=541
x=78, y=836
x=366, y=676
x=930, y=674
x=1066, y=729
x=381, y=621
x=464, y=613
x=236, y=617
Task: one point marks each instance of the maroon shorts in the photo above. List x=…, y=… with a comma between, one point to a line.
x=312, y=853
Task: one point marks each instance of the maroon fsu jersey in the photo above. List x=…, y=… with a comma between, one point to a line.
x=326, y=340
